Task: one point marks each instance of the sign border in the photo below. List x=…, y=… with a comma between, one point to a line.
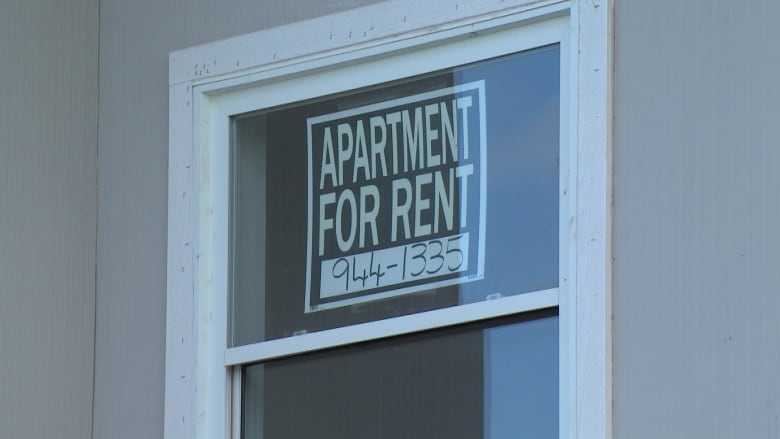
x=478, y=85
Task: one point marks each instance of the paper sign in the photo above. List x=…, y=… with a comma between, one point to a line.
x=396, y=197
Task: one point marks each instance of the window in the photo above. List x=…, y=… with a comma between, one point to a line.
x=375, y=205
x=384, y=238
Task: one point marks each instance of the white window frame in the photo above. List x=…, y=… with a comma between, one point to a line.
x=210, y=83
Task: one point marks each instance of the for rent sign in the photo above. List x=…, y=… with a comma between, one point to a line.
x=396, y=197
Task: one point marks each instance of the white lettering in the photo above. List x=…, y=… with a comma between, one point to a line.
x=431, y=134
x=392, y=120
x=328, y=161
x=377, y=124
x=401, y=210
x=421, y=204
x=449, y=129
x=325, y=223
x=413, y=148
x=464, y=104
x=347, y=196
x=345, y=150
x=368, y=217
x=361, y=154
x=443, y=198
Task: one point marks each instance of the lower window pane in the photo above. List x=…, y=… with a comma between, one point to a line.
x=496, y=379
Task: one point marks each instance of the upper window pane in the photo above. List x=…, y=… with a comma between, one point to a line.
x=424, y=193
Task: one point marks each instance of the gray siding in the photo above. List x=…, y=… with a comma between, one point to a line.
x=696, y=241
x=48, y=147
x=135, y=39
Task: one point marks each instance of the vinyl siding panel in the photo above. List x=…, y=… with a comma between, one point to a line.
x=48, y=147
x=696, y=215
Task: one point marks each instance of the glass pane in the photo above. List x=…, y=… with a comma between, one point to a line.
x=429, y=192
x=491, y=380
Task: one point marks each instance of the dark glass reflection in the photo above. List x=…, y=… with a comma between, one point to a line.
x=491, y=380
x=269, y=232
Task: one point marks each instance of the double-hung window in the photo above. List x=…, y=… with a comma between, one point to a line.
x=381, y=239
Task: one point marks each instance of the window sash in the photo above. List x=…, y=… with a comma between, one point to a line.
x=407, y=324
x=269, y=94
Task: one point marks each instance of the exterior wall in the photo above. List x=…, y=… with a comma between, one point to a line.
x=696, y=341
x=135, y=39
x=696, y=241
x=48, y=147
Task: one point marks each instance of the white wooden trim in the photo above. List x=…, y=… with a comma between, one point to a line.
x=567, y=219
x=592, y=342
x=378, y=24
x=180, y=346
x=268, y=88
x=214, y=168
